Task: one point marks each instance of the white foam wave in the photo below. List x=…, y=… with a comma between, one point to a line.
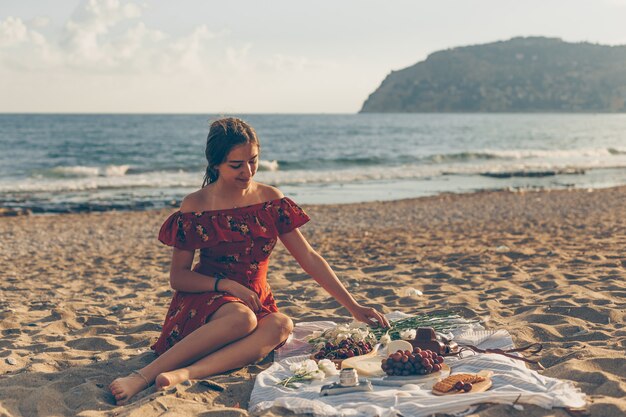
x=268, y=165
x=551, y=153
x=295, y=177
x=87, y=171
x=143, y=180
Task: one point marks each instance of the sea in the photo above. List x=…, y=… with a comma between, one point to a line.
x=59, y=163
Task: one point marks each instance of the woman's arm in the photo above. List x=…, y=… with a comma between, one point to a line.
x=182, y=278
x=317, y=267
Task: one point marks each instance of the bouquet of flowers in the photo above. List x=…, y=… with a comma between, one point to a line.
x=404, y=329
x=354, y=332
x=309, y=370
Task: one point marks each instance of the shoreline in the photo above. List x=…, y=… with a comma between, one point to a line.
x=403, y=195
x=85, y=293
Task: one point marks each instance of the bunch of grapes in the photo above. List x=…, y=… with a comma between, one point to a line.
x=345, y=349
x=463, y=386
x=418, y=362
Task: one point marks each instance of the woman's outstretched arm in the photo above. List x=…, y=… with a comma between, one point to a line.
x=317, y=267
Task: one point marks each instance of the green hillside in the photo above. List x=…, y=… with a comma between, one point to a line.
x=519, y=75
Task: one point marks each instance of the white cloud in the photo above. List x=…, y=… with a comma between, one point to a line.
x=22, y=48
x=85, y=41
x=12, y=32
x=106, y=49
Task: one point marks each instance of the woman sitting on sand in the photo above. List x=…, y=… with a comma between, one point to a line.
x=223, y=315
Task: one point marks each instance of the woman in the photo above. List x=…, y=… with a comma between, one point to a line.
x=223, y=315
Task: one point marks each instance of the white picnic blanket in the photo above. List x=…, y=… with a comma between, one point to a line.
x=513, y=383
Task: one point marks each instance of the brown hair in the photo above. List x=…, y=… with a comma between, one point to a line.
x=224, y=135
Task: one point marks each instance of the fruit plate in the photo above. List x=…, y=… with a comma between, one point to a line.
x=476, y=387
x=427, y=380
x=356, y=361
x=365, y=365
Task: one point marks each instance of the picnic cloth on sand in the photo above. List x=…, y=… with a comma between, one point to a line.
x=513, y=382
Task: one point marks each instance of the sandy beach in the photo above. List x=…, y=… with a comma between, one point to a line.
x=84, y=295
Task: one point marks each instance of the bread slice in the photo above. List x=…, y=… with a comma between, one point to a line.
x=447, y=384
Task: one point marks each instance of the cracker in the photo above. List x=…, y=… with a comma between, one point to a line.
x=447, y=384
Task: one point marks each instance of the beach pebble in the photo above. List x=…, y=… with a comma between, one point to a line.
x=502, y=248
x=412, y=292
x=11, y=361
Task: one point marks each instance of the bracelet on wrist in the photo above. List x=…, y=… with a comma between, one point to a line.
x=217, y=281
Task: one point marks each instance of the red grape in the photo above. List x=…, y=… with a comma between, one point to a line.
x=416, y=362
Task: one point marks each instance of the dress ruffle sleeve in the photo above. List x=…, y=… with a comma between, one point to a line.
x=197, y=230
x=191, y=231
x=178, y=231
x=289, y=216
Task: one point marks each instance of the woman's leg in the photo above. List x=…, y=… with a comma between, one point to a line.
x=230, y=322
x=270, y=331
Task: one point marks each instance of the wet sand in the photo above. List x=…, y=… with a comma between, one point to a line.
x=83, y=295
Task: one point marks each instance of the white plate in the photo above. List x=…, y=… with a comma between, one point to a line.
x=426, y=380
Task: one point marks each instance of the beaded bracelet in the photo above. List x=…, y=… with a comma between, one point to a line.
x=217, y=280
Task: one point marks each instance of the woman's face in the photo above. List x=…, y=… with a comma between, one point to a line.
x=240, y=166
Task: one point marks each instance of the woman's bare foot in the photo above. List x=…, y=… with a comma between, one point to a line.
x=126, y=387
x=167, y=380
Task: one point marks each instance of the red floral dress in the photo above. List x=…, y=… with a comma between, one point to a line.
x=235, y=244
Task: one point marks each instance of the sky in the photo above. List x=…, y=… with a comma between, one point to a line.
x=251, y=56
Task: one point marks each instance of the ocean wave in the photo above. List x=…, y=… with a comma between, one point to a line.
x=80, y=171
x=520, y=154
x=534, y=173
x=86, y=171
x=329, y=163
x=193, y=180
x=573, y=155
x=461, y=157
x=268, y=165
x=550, y=154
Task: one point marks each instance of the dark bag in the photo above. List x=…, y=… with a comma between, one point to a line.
x=427, y=338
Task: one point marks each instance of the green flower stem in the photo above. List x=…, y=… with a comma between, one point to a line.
x=444, y=321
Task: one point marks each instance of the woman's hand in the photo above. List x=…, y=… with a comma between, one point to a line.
x=369, y=315
x=244, y=294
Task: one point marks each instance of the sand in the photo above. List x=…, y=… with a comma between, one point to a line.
x=83, y=296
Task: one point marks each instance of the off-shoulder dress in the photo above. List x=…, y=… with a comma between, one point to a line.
x=235, y=244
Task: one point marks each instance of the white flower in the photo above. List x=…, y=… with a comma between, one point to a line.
x=408, y=334
x=356, y=331
x=318, y=374
x=309, y=366
x=341, y=336
x=307, y=370
x=328, y=367
x=315, y=334
x=385, y=339
x=358, y=325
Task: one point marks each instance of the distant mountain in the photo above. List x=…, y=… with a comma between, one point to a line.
x=533, y=74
